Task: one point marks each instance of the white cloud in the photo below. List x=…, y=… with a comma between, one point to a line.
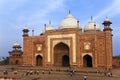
x=50, y=6
x=26, y=16
x=10, y=5
x=111, y=11
x=41, y=13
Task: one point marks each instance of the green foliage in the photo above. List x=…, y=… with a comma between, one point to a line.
x=4, y=61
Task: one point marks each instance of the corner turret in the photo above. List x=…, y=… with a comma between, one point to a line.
x=25, y=32
x=107, y=24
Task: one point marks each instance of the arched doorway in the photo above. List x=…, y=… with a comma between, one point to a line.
x=87, y=61
x=61, y=54
x=65, y=61
x=39, y=60
x=16, y=62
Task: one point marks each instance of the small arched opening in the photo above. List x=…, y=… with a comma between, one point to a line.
x=16, y=62
x=65, y=61
x=39, y=60
x=87, y=61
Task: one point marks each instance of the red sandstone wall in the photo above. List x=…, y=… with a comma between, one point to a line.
x=116, y=62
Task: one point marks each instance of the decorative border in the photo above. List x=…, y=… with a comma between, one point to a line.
x=73, y=36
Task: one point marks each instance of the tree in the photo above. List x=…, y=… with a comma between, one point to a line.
x=5, y=61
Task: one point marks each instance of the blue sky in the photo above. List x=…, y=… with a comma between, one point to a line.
x=16, y=14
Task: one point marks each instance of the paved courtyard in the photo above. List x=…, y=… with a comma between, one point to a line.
x=38, y=73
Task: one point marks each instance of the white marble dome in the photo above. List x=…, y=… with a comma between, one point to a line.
x=16, y=44
x=25, y=27
x=106, y=19
x=91, y=26
x=49, y=26
x=69, y=22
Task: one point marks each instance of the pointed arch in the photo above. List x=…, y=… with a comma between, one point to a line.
x=67, y=42
x=61, y=54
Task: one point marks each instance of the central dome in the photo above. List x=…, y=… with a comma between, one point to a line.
x=69, y=22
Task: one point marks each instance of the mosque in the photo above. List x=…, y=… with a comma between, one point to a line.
x=67, y=46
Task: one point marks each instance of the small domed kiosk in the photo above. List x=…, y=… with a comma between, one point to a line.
x=16, y=55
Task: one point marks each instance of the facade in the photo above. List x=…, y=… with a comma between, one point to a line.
x=69, y=45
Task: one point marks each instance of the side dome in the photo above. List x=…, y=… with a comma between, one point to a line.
x=92, y=26
x=49, y=26
x=107, y=19
x=16, y=45
x=69, y=22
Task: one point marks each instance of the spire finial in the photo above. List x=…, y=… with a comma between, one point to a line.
x=33, y=32
x=49, y=21
x=69, y=12
x=45, y=27
x=78, y=23
x=91, y=18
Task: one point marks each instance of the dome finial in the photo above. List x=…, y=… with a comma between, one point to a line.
x=49, y=21
x=91, y=18
x=45, y=27
x=69, y=12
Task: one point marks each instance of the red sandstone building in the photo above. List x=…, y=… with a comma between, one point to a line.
x=68, y=46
